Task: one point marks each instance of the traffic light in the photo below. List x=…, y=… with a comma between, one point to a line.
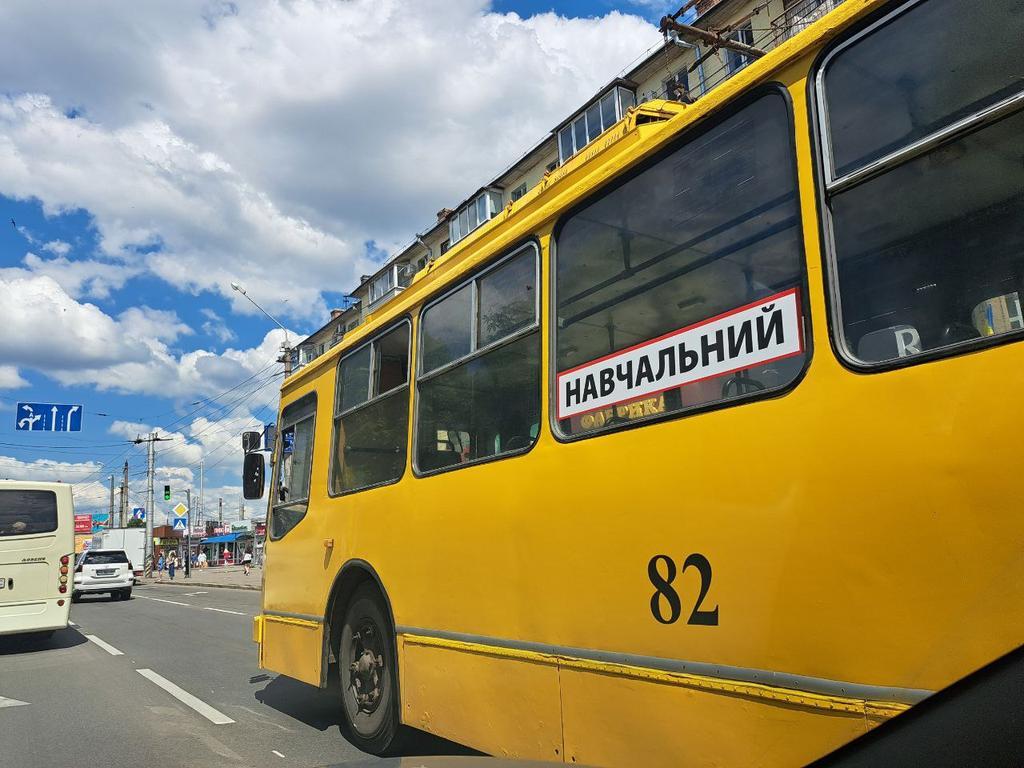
x=167, y=493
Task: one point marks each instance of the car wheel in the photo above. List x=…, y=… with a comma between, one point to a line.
x=115, y=595
x=369, y=674
x=75, y=596
x=126, y=594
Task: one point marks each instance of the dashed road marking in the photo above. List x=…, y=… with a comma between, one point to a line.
x=186, y=698
x=193, y=594
x=161, y=600
x=277, y=753
x=72, y=624
x=105, y=646
x=223, y=610
x=5, y=702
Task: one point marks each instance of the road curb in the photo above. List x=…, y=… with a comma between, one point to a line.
x=191, y=583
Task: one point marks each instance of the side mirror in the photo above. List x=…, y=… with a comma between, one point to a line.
x=251, y=441
x=252, y=475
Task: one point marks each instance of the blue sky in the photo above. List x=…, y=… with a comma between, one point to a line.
x=149, y=159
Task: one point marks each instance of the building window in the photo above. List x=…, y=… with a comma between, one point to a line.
x=734, y=60
x=677, y=87
x=679, y=288
x=924, y=179
x=477, y=211
x=519, y=191
x=598, y=117
x=478, y=391
x=381, y=284
x=372, y=413
x=445, y=245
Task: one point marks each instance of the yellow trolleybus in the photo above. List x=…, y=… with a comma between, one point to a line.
x=706, y=451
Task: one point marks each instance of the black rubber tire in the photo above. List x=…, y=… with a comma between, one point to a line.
x=380, y=732
x=126, y=594
x=115, y=596
x=75, y=596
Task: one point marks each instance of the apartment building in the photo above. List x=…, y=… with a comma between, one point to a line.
x=693, y=58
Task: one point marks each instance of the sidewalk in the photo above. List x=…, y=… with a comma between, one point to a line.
x=229, y=576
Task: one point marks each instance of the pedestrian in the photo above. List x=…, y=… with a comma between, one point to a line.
x=227, y=556
x=172, y=563
x=160, y=563
x=201, y=559
x=247, y=561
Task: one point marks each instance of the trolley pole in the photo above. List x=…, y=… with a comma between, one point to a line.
x=188, y=534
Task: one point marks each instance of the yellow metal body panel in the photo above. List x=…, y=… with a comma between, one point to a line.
x=477, y=695
x=283, y=640
x=861, y=528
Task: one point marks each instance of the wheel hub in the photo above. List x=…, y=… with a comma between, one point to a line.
x=367, y=671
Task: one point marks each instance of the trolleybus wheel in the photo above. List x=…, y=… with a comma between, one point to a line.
x=369, y=674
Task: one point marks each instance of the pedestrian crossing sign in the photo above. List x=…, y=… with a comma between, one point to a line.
x=179, y=524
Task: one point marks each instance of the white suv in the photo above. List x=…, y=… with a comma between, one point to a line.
x=104, y=570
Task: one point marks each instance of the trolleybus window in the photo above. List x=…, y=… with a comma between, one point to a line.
x=294, y=457
x=479, y=385
x=23, y=512
x=928, y=251
x=955, y=58
x=371, y=421
x=681, y=287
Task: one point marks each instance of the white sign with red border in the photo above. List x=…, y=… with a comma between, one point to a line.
x=755, y=334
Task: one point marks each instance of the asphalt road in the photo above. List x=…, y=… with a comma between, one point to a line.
x=108, y=691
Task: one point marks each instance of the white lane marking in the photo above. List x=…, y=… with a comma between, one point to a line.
x=222, y=610
x=105, y=646
x=186, y=698
x=193, y=594
x=5, y=702
x=159, y=600
x=277, y=753
x=72, y=624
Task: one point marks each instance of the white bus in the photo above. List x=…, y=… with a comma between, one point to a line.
x=37, y=542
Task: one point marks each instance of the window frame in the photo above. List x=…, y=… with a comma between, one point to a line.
x=279, y=457
x=827, y=185
x=688, y=134
x=336, y=414
x=531, y=243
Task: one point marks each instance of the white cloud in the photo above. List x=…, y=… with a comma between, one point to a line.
x=57, y=247
x=10, y=378
x=216, y=327
x=266, y=143
x=77, y=343
x=80, y=278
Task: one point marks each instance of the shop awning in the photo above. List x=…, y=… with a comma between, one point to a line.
x=227, y=538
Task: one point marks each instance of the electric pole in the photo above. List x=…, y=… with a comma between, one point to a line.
x=110, y=519
x=151, y=441
x=220, y=511
x=188, y=534
x=201, y=483
x=124, y=496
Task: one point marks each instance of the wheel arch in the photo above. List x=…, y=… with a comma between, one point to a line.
x=353, y=573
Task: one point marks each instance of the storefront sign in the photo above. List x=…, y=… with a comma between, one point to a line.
x=83, y=523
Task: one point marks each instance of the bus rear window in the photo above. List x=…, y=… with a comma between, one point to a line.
x=105, y=558
x=25, y=512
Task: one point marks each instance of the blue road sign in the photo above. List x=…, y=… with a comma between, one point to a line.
x=138, y=513
x=48, y=417
x=179, y=524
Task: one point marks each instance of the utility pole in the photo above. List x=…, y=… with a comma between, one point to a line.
x=220, y=511
x=110, y=519
x=188, y=534
x=201, y=483
x=151, y=441
x=124, y=496
x=241, y=509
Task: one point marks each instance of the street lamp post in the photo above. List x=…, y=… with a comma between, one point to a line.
x=286, y=348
